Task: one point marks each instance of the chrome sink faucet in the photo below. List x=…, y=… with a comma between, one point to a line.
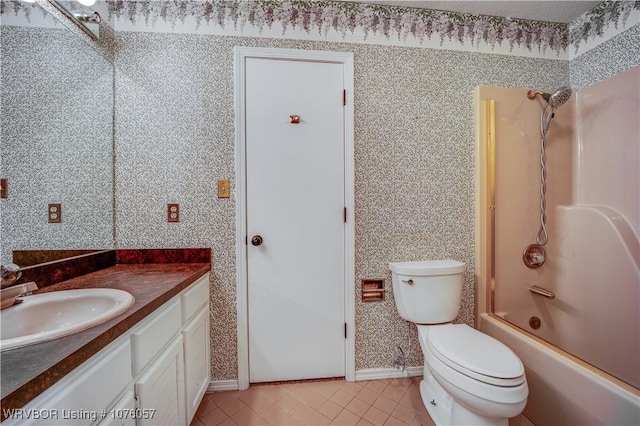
x=10, y=274
x=9, y=291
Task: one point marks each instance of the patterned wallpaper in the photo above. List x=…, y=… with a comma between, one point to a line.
x=56, y=136
x=610, y=58
x=595, y=22
x=414, y=154
x=175, y=137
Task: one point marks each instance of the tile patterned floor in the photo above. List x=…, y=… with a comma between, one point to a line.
x=375, y=402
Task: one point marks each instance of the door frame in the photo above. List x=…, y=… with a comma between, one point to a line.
x=345, y=58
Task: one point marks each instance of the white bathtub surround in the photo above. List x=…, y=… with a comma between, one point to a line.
x=592, y=256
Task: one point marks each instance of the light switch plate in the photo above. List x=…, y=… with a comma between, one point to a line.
x=224, y=190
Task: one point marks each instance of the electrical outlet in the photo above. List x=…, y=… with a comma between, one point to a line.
x=4, y=188
x=54, y=213
x=223, y=188
x=173, y=212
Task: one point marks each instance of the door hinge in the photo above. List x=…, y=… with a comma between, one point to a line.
x=345, y=215
x=344, y=97
x=136, y=401
x=345, y=330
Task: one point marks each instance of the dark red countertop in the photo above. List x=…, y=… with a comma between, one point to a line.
x=28, y=371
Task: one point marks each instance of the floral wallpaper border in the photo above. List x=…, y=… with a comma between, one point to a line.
x=397, y=22
x=50, y=13
x=16, y=8
x=594, y=23
x=345, y=17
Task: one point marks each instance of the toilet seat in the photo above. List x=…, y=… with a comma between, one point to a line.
x=474, y=354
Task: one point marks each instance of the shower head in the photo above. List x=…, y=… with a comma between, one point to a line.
x=558, y=98
x=555, y=99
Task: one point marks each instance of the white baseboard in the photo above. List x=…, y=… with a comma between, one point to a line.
x=368, y=374
x=222, y=385
x=387, y=373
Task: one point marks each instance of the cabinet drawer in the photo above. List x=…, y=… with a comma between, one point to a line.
x=148, y=341
x=194, y=298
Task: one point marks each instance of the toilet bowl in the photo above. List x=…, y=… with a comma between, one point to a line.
x=477, y=371
x=469, y=378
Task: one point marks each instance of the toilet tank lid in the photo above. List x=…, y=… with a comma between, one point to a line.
x=428, y=267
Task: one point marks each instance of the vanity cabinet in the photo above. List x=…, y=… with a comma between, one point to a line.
x=156, y=373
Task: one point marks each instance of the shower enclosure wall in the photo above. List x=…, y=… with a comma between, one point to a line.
x=592, y=267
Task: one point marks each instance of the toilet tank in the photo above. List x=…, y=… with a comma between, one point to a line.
x=428, y=292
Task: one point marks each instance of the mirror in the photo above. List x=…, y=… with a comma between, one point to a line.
x=56, y=134
x=84, y=13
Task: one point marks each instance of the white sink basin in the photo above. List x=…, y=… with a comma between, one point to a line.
x=52, y=315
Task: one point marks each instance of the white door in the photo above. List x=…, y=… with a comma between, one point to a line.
x=295, y=202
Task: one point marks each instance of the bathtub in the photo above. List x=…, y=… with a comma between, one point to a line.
x=563, y=390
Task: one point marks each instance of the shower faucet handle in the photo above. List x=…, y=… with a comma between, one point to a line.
x=534, y=256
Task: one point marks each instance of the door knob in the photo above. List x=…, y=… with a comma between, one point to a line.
x=256, y=240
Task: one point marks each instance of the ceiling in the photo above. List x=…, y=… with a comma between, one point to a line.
x=547, y=10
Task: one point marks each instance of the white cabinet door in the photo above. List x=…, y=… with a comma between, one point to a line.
x=196, y=361
x=124, y=413
x=161, y=388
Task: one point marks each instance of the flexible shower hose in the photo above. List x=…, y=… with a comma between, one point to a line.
x=542, y=237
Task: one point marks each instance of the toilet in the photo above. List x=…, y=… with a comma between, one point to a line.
x=469, y=378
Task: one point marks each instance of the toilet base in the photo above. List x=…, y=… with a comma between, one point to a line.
x=444, y=410
x=436, y=400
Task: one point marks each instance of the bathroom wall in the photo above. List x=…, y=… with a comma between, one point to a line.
x=56, y=134
x=608, y=59
x=604, y=42
x=413, y=134
x=414, y=153
x=415, y=72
